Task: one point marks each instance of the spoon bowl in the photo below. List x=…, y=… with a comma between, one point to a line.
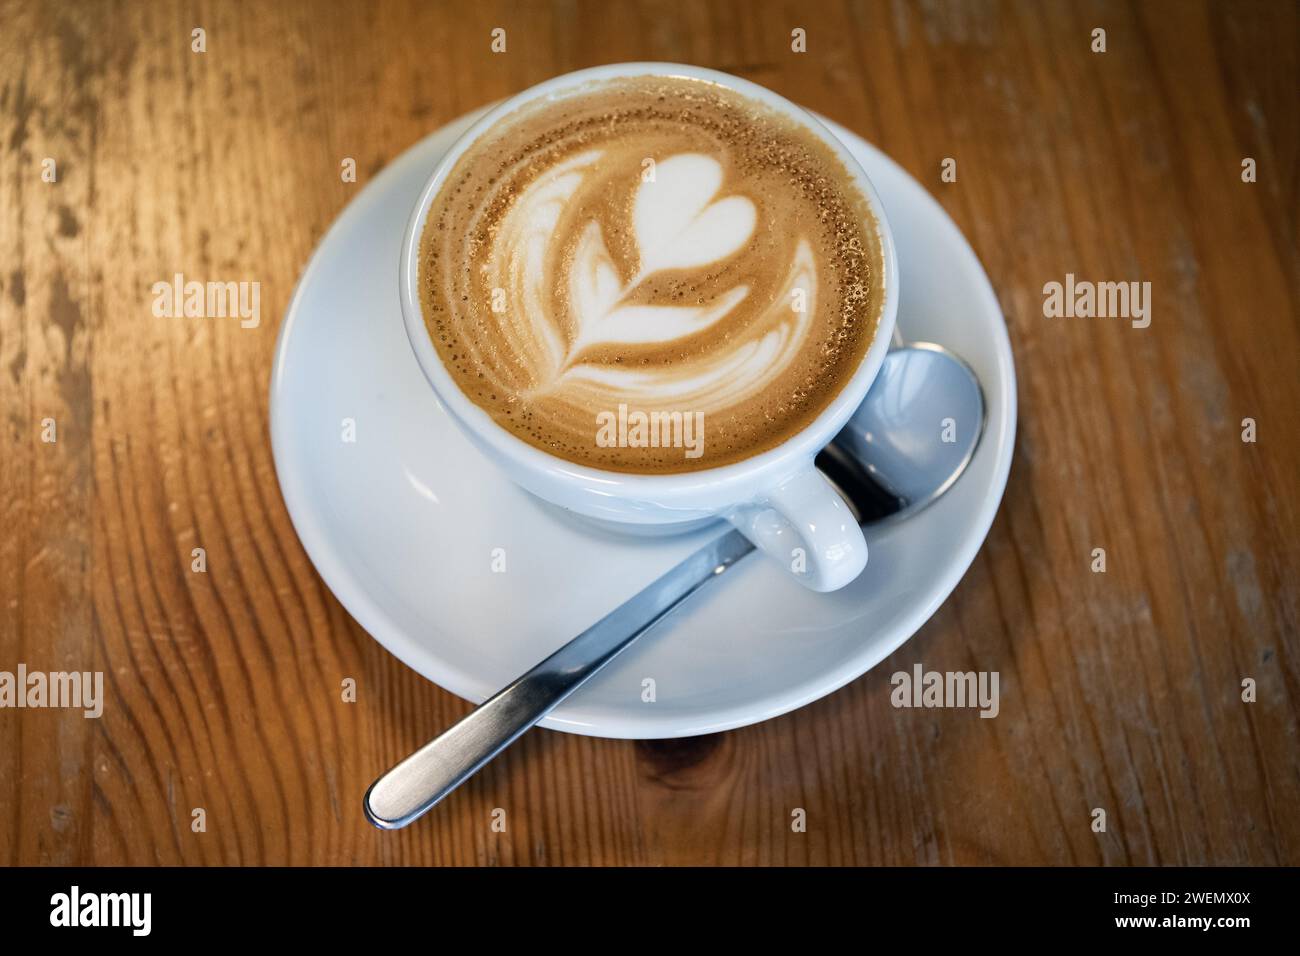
x=917, y=429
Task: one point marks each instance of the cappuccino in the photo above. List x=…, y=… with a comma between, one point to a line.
x=651, y=249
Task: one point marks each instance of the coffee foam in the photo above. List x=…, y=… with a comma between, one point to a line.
x=664, y=245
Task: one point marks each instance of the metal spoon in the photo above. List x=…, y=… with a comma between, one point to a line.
x=892, y=459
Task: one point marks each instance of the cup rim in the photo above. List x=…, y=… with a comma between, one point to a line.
x=790, y=454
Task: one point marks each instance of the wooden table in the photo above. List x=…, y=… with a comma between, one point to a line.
x=1120, y=690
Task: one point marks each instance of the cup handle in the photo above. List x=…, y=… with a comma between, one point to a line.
x=804, y=524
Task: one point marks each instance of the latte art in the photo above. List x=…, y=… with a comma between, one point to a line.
x=650, y=244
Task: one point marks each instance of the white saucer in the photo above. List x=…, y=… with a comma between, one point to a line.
x=402, y=523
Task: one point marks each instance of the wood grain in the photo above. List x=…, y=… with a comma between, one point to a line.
x=1119, y=690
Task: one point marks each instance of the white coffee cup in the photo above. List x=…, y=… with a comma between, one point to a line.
x=777, y=498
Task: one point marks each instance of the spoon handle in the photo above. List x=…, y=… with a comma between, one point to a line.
x=414, y=786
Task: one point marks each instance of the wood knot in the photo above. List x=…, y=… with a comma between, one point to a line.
x=668, y=760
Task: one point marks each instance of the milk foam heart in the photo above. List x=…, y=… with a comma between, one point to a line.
x=655, y=245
